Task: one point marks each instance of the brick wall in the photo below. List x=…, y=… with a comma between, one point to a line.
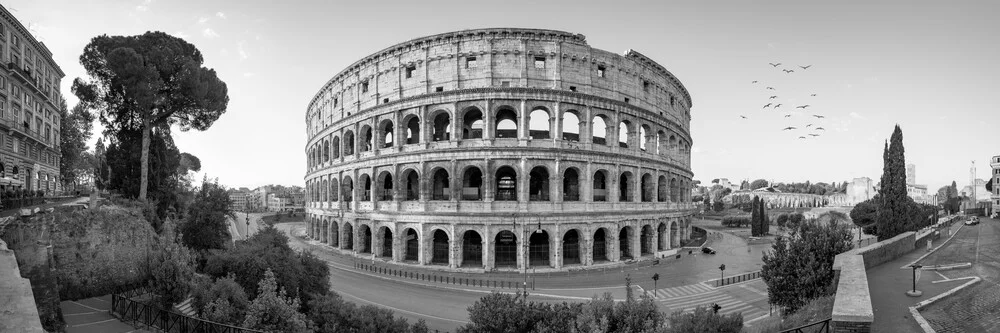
x=851, y=327
x=887, y=250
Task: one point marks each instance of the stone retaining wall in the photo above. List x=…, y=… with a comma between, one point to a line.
x=17, y=302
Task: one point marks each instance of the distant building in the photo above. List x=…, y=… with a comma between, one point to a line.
x=725, y=183
x=911, y=174
x=238, y=200
x=978, y=190
x=860, y=189
x=917, y=192
x=995, y=196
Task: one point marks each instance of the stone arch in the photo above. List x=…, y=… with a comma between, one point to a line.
x=506, y=123
x=674, y=190
x=600, y=185
x=323, y=231
x=473, y=123
x=326, y=151
x=624, y=130
x=624, y=244
x=538, y=248
x=599, y=129
x=672, y=141
x=347, y=187
x=367, y=138
x=410, y=185
x=662, y=240
x=365, y=232
x=600, y=246
x=336, y=147
x=661, y=142
x=571, y=247
x=412, y=129
x=348, y=143
x=505, y=249
x=538, y=184
x=571, y=126
x=439, y=246
x=646, y=239
x=472, y=183
x=675, y=234
x=625, y=186
x=506, y=184
x=365, y=184
x=647, y=188
x=539, y=123
x=348, y=237
x=411, y=244
x=645, y=138
x=571, y=184
x=333, y=237
x=661, y=189
x=386, y=133
x=441, y=125
x=385, y=235
x=324, y=192
x=472, y=249
x=440, y=184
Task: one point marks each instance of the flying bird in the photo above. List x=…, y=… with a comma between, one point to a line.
x=765, y=106
x=788, y=70
x=744, y=117
x=776, y=106
x=787, y=115
x=802, y=137
x=770, y=88
x=818, y=116
x=754, y=81
x=802, y=106
x=813, y=134
x=774, y=64
x=820, y=129
x=773, y=97
x=805, y=67
x=814, y=95
x=807, y=126
x=788, y=128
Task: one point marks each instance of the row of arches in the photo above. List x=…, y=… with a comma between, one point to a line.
x=503, y=122
x=501, y=248
x=503, y=184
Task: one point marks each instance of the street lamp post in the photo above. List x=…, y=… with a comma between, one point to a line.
x=915, y=292
x=722, y=273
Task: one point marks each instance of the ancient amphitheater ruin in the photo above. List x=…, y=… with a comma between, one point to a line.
x=500, y=149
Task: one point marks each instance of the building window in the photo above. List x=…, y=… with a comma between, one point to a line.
x=334, y=102
x=471, y=62
x=385, y=100
x=600, y=71
x=364, y=86
x=645, y=85
x=671, y=100
x=409, y=71
x=572, y=88
x=540, y=62
x=626, y=100
x=438, y=89
x=505, y=83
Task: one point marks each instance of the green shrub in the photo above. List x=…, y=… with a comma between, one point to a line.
x=736, y=221
x=704, y=319
x=782, y=219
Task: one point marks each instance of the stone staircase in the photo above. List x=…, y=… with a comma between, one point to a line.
x=186, y=307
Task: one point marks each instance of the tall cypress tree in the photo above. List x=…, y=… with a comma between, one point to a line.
x=755, y=216
x=765, y=222
x=892, y=215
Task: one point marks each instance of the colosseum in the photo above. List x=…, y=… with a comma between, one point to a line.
x=500, y=149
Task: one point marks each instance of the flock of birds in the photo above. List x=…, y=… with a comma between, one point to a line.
x=774, y=105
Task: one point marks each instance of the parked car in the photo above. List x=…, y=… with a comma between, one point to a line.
x=707, y=250
x=972, y=221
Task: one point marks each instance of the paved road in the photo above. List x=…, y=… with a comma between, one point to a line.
x=976, y=308
x=91, y=316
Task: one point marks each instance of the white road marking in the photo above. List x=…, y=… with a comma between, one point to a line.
x=92, y=308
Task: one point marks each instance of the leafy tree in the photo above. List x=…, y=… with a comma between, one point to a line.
x=75, y=129
x=755, y=225
x=892, y=213
x=989, y=185
x=148, y=81
x=704, y=320
x=764, y=219
x=222, y=301
x=102, y=172
x=864, y=214
x=122, y=157
x=172, y=269
x=782, y=219
x=206, y=226
x=331, y=313
x=799, y=267
x=759, y=183
x=744, y=185
x=272, y=310
x=718, y=206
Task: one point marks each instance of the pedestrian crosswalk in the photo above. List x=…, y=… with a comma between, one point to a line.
x=748, y=299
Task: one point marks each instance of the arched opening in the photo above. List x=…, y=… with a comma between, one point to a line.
x=672, y=143
x=412, y=241
x=472, y=249
x=675, y=236
x=386, y=241
x=366, y=239
x=413, y=130
x=661, y=231
x=506, y=123
x=387, y=131
x=366, y=188
x=571, y=185
x=646, y=240
x=326, y=151
x=661, y=143
x=598, y=130
x=349, y=143
x=506, y=249
x=439, y=252
x=472, y=184
x=600, y=186
x=440, y=185
x=624, y=187
x=336, y=147
x=538, y=124
x=348, y=237
x=623, y=131
x=644, y=137
x=571, y=247
x=411, y=185
x=571, y=127
x=333, y=238
x=600, y=249
x=538, y=248
x=647, y=188
x=366, y=138
x=385, y=190
x=623, y=242
x=323, y=231
x=472, y=124
x=348, y=189
x=506, y=185
x=674, y=188
x=661, y=189
x=442, y=124
x=538, y=184
x=323, y=190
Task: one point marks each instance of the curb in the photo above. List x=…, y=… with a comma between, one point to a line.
x=947, y=267
x=934, y=249
x=924, y=324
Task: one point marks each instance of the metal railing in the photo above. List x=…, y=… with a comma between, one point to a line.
x=135, y=312
x=819, y=326
x=737, y=278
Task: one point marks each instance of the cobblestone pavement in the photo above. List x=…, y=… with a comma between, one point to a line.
x=976, y=308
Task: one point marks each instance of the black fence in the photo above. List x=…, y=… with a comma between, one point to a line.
x=138, y=313
x=737, y=278
x=819, y=326
x=446, y=279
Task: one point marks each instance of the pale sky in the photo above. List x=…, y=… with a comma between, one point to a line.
x=929, y=66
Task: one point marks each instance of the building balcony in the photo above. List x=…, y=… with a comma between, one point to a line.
x=22, y=130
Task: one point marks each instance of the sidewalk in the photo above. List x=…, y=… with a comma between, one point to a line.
x=91, y=315
x=15, y=211
x=888, y=284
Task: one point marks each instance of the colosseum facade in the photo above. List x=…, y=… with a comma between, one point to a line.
x=500, y=149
